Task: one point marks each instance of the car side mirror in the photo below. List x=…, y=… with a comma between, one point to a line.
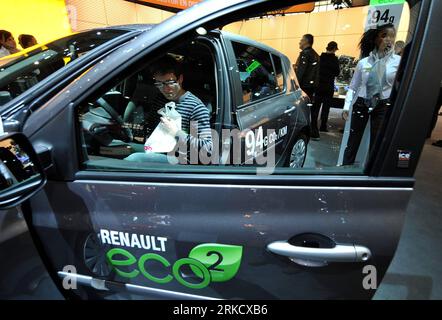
x=21, y=174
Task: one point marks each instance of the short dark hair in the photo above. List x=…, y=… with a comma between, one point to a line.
x=309, y=37
x=4, y=35
x=399, y=44
x=166, y=64
x=332, y=45
x=25, y=39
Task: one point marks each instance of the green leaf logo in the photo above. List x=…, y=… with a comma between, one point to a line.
x=222, y=260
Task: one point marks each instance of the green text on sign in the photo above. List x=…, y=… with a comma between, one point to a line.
x=383, y=2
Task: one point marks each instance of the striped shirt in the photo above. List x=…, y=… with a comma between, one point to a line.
x=194, y=112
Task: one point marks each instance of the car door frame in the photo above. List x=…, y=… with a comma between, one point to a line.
x=413, y=91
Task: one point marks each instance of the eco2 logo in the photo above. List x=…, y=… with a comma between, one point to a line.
x=211, y=262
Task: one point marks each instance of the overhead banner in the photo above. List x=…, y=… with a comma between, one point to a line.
x=308, y=7
x=170, y=4
x=177, y=5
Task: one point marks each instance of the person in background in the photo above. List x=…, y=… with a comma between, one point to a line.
x=7, y=44
x=399, y=47
x=307, y=69
x=328, y=70
x=27, y=40
x=437, y=107
x=370, y=87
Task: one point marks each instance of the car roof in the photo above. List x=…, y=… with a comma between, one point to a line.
x=10, y=61
x=129, y=27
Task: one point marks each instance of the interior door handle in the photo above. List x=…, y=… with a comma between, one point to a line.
x=320, y=256
x=290, y=109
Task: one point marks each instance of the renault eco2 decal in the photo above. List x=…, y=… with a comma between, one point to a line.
x=210, y=262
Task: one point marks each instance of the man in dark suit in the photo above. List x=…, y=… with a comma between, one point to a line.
x=328, y=70
x=307, y=66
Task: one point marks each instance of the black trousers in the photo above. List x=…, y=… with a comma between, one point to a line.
x=311, y=94
x=359, y=119
x=435, y=113
x=326, y=102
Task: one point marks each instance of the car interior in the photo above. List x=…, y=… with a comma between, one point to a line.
x=118, y=122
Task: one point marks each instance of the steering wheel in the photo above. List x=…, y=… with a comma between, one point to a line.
x=119, y=131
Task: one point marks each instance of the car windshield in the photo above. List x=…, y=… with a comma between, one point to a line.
x=21, y=71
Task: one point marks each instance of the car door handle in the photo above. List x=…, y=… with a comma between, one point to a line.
x=320, y=256
x=290, y=109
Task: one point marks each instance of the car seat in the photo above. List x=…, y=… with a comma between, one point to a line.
x=199, y=79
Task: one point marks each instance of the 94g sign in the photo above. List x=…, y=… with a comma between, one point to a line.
x=383, y=13
x=210, y=262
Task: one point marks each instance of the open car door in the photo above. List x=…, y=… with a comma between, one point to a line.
x=225, y=232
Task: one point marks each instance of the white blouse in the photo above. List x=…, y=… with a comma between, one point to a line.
x=4, y=52
x=358, y=85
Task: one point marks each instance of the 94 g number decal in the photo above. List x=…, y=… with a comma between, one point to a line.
x=257, y=142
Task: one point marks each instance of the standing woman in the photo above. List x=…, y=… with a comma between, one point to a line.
x=7, y=44
x=370, y=87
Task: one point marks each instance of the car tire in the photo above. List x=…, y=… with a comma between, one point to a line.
x=297, y=152
x=91, y=256
x=90, y=261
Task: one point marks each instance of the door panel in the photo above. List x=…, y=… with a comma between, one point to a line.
x=267, y=120
x=250, y=217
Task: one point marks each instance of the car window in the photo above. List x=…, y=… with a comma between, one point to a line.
x=253, y=103
x=280, y=83
x=256, y=72
x=23, y=70
x=124, y=122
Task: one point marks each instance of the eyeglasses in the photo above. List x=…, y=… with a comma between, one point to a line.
x=169, y=83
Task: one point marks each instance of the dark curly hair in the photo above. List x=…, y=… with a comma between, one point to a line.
x=25, y=40
x=368, y=39
x=4, y=35
x=166, y=64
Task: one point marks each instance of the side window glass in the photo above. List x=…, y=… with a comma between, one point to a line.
x=347, y=75
x=278, y=73
x=256, y=72
x=22, y=71
x=158, y=116
x=306, y=99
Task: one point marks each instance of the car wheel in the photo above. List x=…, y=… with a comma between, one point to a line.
x=94, y=256
x=298, y=152
x=90, y=260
